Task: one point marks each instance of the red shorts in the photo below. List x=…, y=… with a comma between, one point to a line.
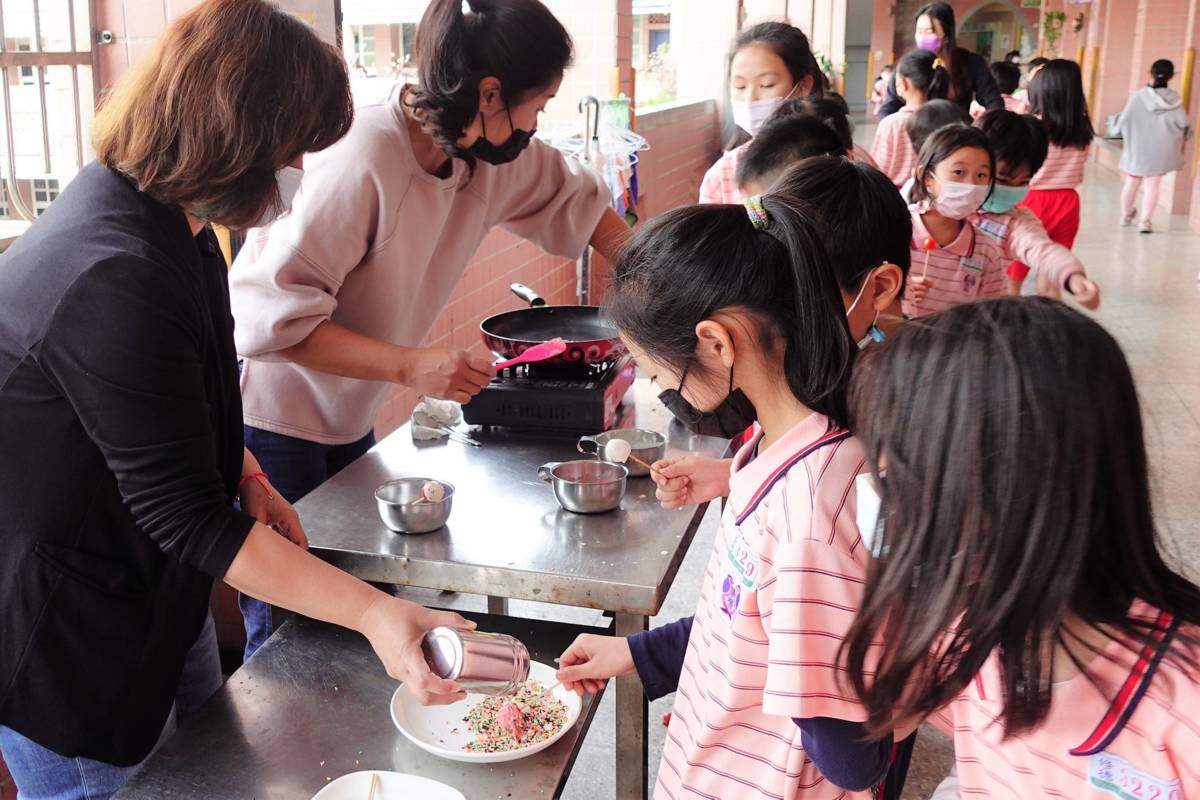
x=1058, y=209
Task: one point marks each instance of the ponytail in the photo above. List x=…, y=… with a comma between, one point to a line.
x=926, y=71
x=1161, y=72
x=518, y=42
x=690, y=263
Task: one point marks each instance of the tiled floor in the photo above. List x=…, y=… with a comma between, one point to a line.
x=1151, y=302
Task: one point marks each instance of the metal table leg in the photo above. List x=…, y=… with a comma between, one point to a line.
x=632, y=709
x=498, y=606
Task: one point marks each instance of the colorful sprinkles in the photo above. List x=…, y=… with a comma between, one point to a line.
x=542, y=715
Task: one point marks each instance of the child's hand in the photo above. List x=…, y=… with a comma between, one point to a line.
x=690, y=479
x=1085, y=292
x=918, y=288
x=591, y=660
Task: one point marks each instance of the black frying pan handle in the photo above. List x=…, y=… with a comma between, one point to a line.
x=528, y=295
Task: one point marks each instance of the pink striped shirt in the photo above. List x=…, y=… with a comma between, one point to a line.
x=781, y=589
x=1024, y=239
x=1063, y=168
x=1081, y=751
x=970, y=268
x=720, y=182
x=892, y=150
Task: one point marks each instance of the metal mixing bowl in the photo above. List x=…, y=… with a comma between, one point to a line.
x=649, y=446
x=402, y=509
x=586, y=487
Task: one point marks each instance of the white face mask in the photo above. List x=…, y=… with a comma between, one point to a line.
x=868, y=504
x=959, y=200
x=288, y=182
x=749, y=115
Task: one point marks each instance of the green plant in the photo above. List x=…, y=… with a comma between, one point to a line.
x=826, y=65
x=1052, y=25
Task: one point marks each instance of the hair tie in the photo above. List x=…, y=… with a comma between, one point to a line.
x=756, y=212
x=937, y=62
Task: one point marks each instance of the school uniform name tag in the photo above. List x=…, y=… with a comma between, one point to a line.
x=1117, y=777
x=972, y=263
x=994, y=227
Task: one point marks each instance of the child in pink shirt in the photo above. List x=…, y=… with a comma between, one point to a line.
x=959, y=256
x=736, y=313
x=920, y=77
x=1019, y=144
x=1019, y=591
x=768, y=63
x=1056, y=96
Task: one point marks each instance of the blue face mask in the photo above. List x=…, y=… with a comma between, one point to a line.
x=1005, y=198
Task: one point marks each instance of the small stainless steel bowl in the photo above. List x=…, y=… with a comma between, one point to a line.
x=402, y=509
x=586, y=487
x=649, y=446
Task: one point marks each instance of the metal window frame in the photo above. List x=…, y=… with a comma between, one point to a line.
x=41, y=59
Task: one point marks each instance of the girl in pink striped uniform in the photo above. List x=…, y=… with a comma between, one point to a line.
x=1065, y=651
x=959, y=256
x=1019, y=144
x=736, y=313
x=768, y=63
x=1056, y=96
x=920, y=77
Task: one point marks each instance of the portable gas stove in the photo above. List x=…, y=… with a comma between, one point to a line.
x=583, y=400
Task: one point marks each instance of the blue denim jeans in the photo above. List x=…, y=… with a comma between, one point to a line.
x=42, y=774
x=295, y=467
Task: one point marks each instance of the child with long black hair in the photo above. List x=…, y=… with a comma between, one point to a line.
x=1056, y=97
x=866, y=230
x=735, y=311
x=1019, y=592
x=768, y=63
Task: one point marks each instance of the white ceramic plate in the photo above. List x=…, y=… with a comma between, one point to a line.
x=440, y=729
x=392, y=786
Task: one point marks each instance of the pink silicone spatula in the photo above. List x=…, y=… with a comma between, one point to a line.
x=539, y=352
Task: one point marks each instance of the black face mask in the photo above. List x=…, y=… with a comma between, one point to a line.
x=484, y=150
x=730, y=418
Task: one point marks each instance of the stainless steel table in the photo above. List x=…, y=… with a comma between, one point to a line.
x=507, y=537
x=312, y=705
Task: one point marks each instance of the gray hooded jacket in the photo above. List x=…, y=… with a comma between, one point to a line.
x=1155, y=127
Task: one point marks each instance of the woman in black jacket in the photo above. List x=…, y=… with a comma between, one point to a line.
x=970, y=76
x=121, y=449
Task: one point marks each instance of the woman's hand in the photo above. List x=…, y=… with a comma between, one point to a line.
x=591, y=660
x=445, y=374
x=1085, y=292
x=260, y=500
x=690, y=479
x=395, y=627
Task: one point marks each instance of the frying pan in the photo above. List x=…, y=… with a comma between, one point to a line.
x=590, y=338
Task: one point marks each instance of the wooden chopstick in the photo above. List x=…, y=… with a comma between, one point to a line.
x=637, y=460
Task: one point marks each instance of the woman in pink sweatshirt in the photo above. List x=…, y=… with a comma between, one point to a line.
x=333, y=300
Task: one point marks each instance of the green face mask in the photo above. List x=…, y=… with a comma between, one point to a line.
x=1005, y=198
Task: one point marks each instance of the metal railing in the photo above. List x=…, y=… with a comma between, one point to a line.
x=41, y=59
